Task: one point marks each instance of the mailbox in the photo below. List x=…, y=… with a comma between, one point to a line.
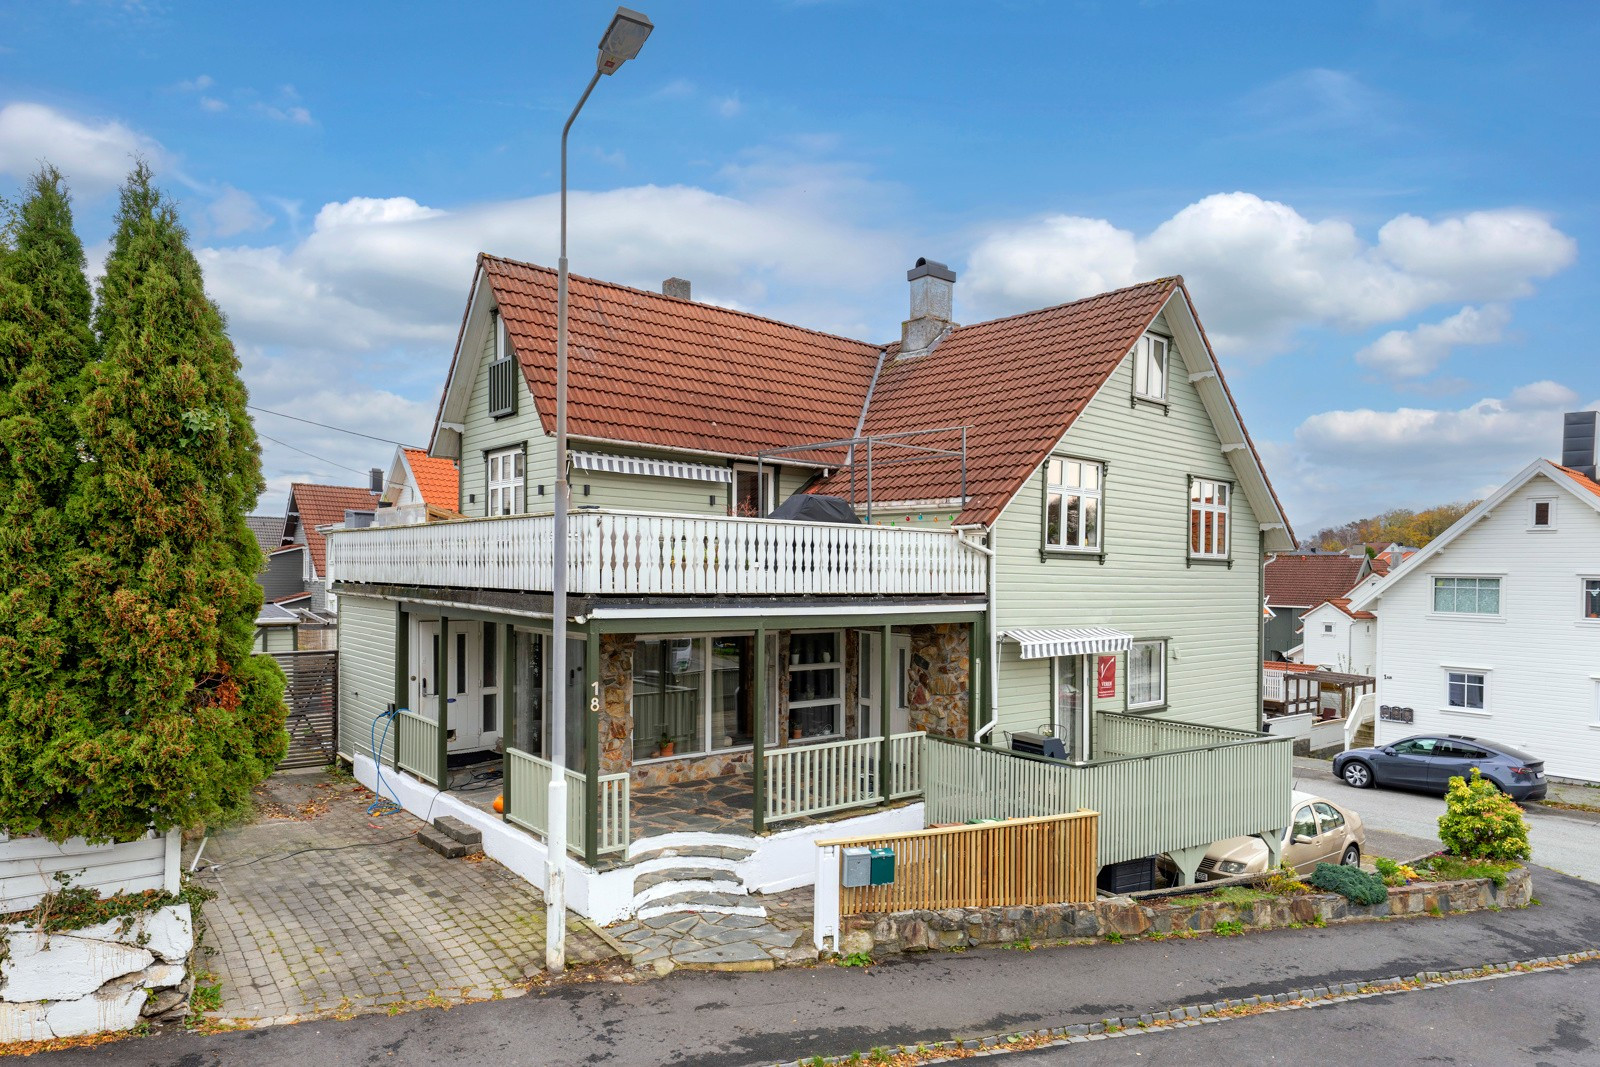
x=858, y=868
x=882, y=866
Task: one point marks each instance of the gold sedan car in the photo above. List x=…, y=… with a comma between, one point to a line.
x=1320, y=831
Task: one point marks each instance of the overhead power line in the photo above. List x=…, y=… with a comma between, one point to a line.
x=328, y=426
x=313, y=455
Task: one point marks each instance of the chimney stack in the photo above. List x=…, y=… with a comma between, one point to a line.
x=932, y=291
x=375, y=479
x=1579, y=441
x=677, y=288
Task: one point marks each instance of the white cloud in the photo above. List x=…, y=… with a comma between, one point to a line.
x=729, y=106
x=292, y=113
x=1261, y=271
x=1416, y=352
x=212, y=104
x=1318, y=99
x=236, y=211
x=196, y=84
x=94, y=156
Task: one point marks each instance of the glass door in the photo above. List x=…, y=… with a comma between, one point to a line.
x=1072, y=705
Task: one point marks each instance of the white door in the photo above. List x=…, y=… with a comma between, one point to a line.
x=471, y=680
x=1072, y=705
x=425, y=668
x=871, y=692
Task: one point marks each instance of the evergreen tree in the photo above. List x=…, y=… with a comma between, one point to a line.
x=45, y=342
x=180, y=721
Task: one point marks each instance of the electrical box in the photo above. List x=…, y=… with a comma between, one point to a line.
x=882, y=866
x=857, y=867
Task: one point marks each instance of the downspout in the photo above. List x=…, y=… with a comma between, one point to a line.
x=1261, y=645
x=993, y=680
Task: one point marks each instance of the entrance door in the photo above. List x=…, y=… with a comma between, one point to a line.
x=1072, y=705
x=870, y=697
x=471, y=681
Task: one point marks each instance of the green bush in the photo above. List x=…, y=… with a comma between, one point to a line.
x=1352, y=882
x=1480, y=822
x=1452, y=868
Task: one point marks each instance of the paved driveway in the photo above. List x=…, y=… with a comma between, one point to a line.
x=322, y=908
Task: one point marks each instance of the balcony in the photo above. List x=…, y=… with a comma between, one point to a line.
x=632, y=553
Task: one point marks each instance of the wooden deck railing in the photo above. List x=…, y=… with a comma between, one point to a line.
x=834, y=775
x=1118, y=735
x=643, y=553
x=1149, y=804
x=416, y=747
x=528, y=804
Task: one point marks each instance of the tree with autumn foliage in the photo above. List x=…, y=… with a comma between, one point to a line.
x=168, y=720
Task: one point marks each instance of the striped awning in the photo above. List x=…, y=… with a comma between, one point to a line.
x=1040, y=643
x=651, y=468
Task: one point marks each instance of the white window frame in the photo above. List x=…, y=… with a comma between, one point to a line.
x=1499, y=589
x=1534, y=525
x=1161, y=676
x=502, y=339
x=1484, y=675
x=767, y=489
x=1151, y=350
x=506, y=489
x=1584, y=582
x=1199, y=509
x=1075, y=469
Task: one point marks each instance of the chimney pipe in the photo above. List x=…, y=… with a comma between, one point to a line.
x=677, y=288
x=375, y=479
x=1579, y=441
x=932, y=297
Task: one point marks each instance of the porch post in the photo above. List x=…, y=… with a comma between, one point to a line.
x=977, y=668
x=442, y=683
x=508, y=716
x=591, y=748
x=885, y=696
x=402, y=689
x=758, y=712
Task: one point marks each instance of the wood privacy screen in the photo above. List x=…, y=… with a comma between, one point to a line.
x=311, y=697
x=1048, y=860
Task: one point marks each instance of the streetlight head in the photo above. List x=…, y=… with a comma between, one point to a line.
x=623, y=39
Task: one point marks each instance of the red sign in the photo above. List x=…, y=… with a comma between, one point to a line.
x=1106, y=677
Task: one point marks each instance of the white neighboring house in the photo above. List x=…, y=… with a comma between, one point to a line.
x=1493, y=629
x=1337, y=637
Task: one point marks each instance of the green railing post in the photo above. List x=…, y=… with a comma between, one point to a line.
x=885, y=696
x=442, y=727
x=591, y=748
x=508, y=715
x=977, y=689
x=758, y=711
x=402, y=679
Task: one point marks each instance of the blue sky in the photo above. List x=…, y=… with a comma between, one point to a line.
x=1383, y=209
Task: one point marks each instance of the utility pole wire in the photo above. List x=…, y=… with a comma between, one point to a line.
x=327, y=426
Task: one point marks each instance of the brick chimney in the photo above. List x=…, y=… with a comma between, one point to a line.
x=1579, y=442
x=677, y=288
x=932, y=291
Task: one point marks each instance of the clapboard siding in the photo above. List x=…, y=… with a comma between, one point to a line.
x=1542, y=659
x=366, y=671
x=484, y=434
x=1210, y=614
x=28, y=866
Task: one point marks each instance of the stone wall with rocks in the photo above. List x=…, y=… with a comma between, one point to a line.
x=98, y=979
x=939, y=682
x=920, y=931
x=616, y=703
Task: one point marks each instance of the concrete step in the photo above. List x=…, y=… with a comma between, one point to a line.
x=457, y=830
x=448, y=847
x=701, y=901
x=661, y=875
x=692, y=852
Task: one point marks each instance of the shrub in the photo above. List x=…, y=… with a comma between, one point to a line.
x=1451, y=868
x=1283, y=882
x=1352, y=882
x=1480, y=822
x=1394, y=873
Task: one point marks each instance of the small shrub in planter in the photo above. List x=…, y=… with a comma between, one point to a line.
x=1394, y=874
x=1480, y=822
x=1448, y=868
x=1357, y=885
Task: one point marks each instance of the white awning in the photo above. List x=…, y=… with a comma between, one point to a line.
x=651, y=468
x=1039, y=643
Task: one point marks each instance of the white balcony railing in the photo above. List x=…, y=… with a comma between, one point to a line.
x=642, y=553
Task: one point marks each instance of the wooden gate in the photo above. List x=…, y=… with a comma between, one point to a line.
x=312, y=699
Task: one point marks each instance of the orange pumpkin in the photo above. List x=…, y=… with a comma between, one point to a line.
x=500, y=804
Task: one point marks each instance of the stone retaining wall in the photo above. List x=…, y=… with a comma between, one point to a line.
x=920, y=931
x=100, y=978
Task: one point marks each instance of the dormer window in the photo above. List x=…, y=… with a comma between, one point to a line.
x=1150, y=367
x=503, y=384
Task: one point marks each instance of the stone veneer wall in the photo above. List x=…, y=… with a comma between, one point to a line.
x=940, y=672
x=616, y=704
x=918, y=931
x=94, y=980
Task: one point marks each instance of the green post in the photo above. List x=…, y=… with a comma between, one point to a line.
x=508, y=715
x=443, y=684
x=402, y=688
x=591, y=748
x=977, y=686
x=758, y=712
x=885, y=696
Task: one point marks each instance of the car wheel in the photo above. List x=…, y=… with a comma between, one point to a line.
x=1357, y=775
x=1351, y=857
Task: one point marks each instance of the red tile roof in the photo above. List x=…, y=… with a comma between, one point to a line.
x=438, y=480
x=1343, y=604
x=1304, y=581
x=1583, y=480
x=325, y=505
x=1284, y=665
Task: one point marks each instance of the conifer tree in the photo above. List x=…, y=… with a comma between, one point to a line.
x=181, y=721
x=45, y=342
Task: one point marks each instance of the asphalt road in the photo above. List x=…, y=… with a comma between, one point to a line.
x=718, y=1020
x=1565, y=842
x=1540, y=1018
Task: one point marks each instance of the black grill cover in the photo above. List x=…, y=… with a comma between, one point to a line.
x=808, y=507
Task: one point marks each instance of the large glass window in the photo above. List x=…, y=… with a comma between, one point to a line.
x=668, y=702
x=505, y=481
x=1150, y=367
x=733, y=680
x=1466, y=690
x=1467, y=596
x=816, y=686
x=1208, y=518
x=1147, y=674
x=1072, y=504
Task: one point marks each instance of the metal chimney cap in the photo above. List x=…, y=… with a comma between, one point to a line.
x=929, y=268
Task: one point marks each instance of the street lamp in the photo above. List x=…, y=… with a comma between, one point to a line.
x=622, y=41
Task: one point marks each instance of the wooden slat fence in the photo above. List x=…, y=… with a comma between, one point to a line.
x=1118, y=735
x=416, y=747
x=311, y=696
x=529, y=803
x=813, y=779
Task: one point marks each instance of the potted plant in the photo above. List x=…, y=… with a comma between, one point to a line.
x=667, y=745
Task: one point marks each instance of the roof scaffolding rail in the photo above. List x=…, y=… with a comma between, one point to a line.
x=920, y=454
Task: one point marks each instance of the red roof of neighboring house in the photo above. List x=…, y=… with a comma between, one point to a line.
x=1304, y=581
x=325, y=505
x=1583, y=480
x=438, y=479
x=1343, y=604
x=1281, y=665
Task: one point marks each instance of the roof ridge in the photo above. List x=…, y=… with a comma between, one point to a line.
x=674, y=300
x=1173, y=279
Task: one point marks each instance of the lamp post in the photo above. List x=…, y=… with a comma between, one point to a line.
x=622, y=41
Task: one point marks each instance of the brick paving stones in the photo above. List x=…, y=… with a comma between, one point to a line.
x=370, y=919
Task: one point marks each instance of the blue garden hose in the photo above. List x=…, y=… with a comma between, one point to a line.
x=381, y=806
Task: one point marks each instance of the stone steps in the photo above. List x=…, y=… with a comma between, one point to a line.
x=448, y=847
x=458, y=831
x=692, y=876
x=700, y=900
x=729, y=853
x=666, y=875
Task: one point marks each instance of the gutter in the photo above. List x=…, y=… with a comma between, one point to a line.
x=993, y=680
